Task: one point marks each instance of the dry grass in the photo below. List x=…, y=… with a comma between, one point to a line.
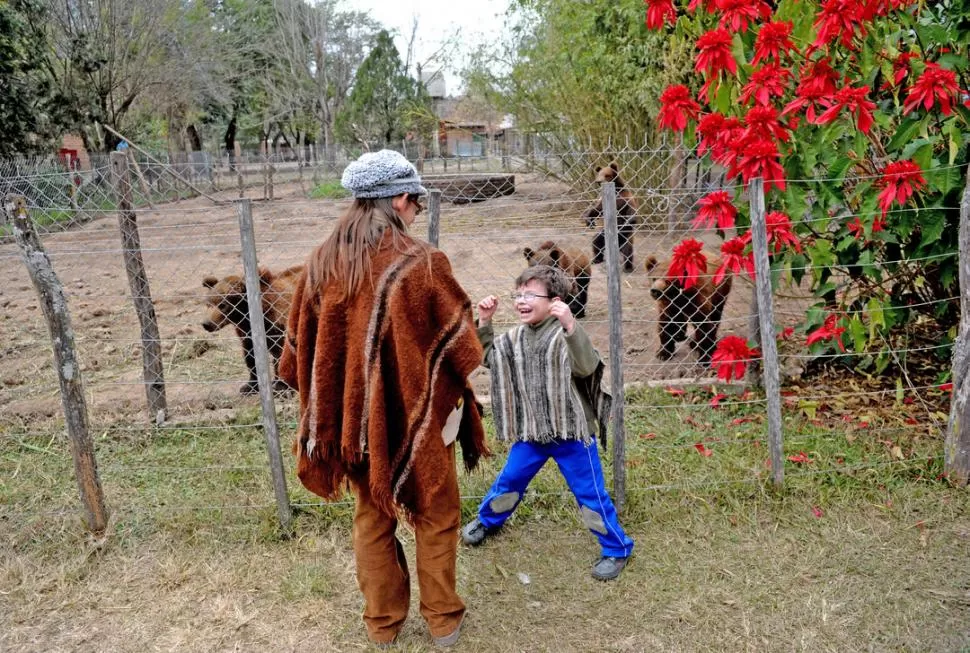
x=194, y=561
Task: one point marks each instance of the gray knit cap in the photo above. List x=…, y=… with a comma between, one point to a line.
x=382, y=174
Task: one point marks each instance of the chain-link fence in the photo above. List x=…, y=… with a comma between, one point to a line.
x=499, y=212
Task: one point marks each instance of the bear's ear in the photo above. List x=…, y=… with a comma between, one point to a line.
x=650, y=263
x=597, y=170
x=209, y=282
x=555, y=253
x=615, y=166
x=265, y=276
x=528, y=253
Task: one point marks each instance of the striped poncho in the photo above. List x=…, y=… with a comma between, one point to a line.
x=535, y=395
x=379, y=373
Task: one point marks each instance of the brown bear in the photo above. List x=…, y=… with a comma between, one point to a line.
x=700, y=305
x=571, y=261
x=227, y=304
x=626, y=216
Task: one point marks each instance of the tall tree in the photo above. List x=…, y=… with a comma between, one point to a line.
x=385, y=103
x=30, y=117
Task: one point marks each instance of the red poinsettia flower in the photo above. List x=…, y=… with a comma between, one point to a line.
x=773, y=42
x=934, y=85
x=839, y=20
x=878, y=224
x=676, y=108
x=856, y=101
x=828, y=331
x=716, y=399
x=786, y=333
x=736, y=15
x=779, y=228
x=659, y=12
x=708, y=128
x=733, y=259
x=716, y=209
x=899, y=181
x=856, y=228
x=727, y=142
x=771, y=80
x=715, y=53
x=759, y=159
x=687, y=263
x=818, y=82
x=875, y=8
x=731, y=357
x=761, y=123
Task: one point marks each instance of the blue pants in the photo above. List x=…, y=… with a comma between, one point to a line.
x=580, y=466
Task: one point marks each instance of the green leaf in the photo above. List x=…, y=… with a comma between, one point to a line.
x=932, y=223
x=837, y=169
x=857, y=331
x=907, y=129
x=877, y=318
x=955, y=135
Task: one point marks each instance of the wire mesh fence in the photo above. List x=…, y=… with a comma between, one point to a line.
x=499, y=212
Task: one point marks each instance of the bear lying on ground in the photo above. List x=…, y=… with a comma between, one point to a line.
x=227, y=304
x=626, y=217
x=700, y=305
x=571, y=261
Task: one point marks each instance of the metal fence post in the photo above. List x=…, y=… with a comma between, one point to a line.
x=51, y=297
x=616, y=342
x=244, y=210
x=141, y=294
x=769, y=345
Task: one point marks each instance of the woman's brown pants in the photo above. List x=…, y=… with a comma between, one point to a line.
x=382, y=571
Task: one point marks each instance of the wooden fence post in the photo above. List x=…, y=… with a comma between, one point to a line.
x=769, y=345
x=54, y=305
x=244, y=209
x=956, y=445
x=434, y=216
x=141, y=294
x=675, y=183
x=614, y=303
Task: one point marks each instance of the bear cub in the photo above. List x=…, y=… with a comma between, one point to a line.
x=700, y=306
x=626, y=217
x=227, y=305
x=571, y=261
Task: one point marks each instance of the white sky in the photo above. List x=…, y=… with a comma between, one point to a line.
x=478, y=20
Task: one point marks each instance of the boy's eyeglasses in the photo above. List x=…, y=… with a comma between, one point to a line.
x=416, y=200
x=526, y=296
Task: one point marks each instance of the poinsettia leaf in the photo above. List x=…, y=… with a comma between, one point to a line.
x=907, y=129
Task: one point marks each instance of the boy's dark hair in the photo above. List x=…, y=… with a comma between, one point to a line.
x=556, y=282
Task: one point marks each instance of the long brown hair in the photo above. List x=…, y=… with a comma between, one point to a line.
x=345, y=256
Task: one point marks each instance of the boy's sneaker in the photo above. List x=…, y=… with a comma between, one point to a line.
x=475, y=532
x=608, y=567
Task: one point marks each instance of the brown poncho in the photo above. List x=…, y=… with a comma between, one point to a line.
x=379, y=373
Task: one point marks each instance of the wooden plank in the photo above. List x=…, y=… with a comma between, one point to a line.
x=956, y=445
x=615, y=305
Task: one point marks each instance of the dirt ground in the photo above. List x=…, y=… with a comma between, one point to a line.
x=183, y=242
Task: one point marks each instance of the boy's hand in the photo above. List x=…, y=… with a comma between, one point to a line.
x=560, y=310
x=486, y=309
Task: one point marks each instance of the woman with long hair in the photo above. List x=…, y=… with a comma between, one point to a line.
x=380, y=343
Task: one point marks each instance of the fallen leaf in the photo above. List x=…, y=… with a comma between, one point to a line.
x=716, y=399
x=648, y=436
x=676, y=392
x=800, y=458
x=524, y=578
x=897, y=452
x=738, y=421
x=817, y=512
x=703, y=450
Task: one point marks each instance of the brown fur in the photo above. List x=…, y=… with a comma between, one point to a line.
x=701, y=306
x=626, y=216
x=227, y=305
x=571, y=261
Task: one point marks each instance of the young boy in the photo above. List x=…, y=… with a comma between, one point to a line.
x=546, y=399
